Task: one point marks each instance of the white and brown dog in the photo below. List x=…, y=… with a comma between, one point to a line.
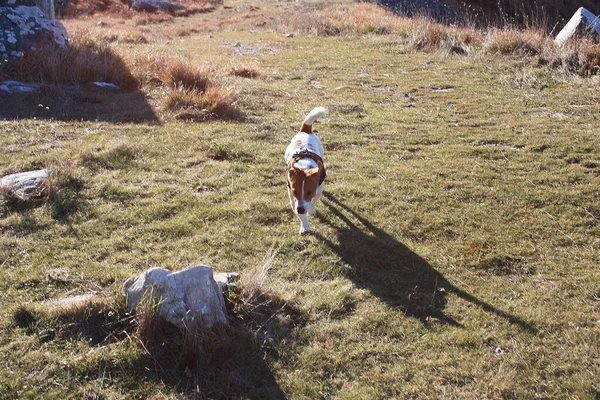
x=305, y=169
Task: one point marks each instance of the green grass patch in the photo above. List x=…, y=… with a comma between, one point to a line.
x=454, y=253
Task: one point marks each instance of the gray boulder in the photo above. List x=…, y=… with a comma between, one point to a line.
x=23, y=28
x=26, y=186
x=581, y=23
x=155, y=5
x=190, y=298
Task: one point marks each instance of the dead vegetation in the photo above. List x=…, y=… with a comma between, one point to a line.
x=122, y=8
x=578, y=57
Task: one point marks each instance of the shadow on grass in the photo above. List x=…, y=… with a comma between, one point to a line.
x=71, y=103
x=62, y=85
x=221, y=363
x=393, y=272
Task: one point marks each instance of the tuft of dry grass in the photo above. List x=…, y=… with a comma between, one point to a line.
x=158, y=69
x=190, y=104
x=151, y=19
x=591, y=56
x=244, y=72
x=183, y=76
x=130, y=37
x=511, y=41
x=423, y=34
x=574, y=58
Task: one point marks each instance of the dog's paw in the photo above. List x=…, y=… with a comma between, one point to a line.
x=304, y=231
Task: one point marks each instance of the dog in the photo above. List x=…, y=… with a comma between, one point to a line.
x=305, y=170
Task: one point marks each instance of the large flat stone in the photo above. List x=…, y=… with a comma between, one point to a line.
x=582, y=22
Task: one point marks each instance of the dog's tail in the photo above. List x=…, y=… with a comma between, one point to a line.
x=311, y=118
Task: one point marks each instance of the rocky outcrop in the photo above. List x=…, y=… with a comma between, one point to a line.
x=26, y=27
x=583, y=22
x=155, y=5
x=190, y=298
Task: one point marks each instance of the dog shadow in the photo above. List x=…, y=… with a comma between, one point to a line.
x=394, y=273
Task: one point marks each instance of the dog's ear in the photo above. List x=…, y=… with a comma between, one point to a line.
x=312, y=171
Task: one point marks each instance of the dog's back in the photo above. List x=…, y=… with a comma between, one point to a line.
x=305, y=140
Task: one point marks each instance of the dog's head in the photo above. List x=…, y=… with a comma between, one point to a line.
x=303, y=184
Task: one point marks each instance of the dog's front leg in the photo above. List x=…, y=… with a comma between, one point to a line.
x=304, y=227
x=292, y=200
x=312, y=210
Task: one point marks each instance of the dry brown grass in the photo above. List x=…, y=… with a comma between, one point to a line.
x=196, y=92
x=423, y=34
x=181, y=75
x=85, y=60
x=160, y=69
x=345, y=19
x=367, y=18
x=189, y=104
x=511, y=41
x=121, y=8
x=78, y=8
x=574, y=58
x=150, y=19
x=244, y=72
x=579, y=57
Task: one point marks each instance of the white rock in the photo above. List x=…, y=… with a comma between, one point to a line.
x=26, y=185
x=189, y=298
x=582, y=20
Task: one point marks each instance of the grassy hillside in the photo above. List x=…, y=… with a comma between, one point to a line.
x=455, y=254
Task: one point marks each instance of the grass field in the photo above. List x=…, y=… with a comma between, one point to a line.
x=455, y=254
